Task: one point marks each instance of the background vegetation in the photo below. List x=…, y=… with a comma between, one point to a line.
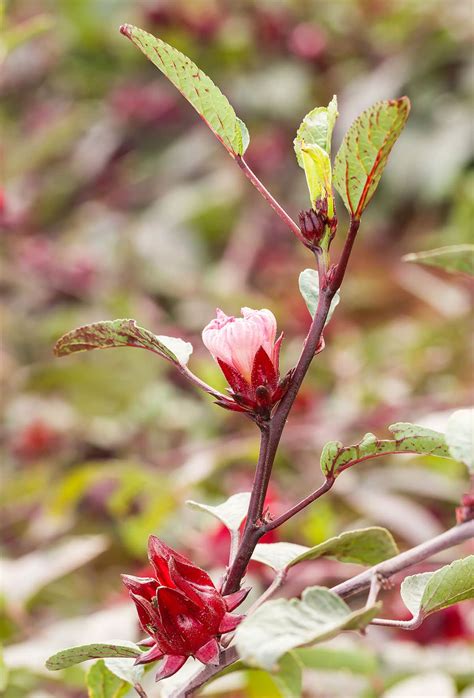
x=119, y=203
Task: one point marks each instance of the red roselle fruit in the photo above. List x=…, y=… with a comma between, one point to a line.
x=181, y=610
x=247, y=352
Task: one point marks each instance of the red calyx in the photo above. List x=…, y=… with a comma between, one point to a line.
x=180, y=610
x=265, y=388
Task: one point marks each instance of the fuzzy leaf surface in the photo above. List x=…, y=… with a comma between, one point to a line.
x=102, y=683
x=231, y=512
x=282, y=625
x=365, y=546
x=123, y=333
x=409, y=438
x=81, y=653
x=206, y=98
x=453, y=258
x=426, y=593
x=309, y=289
x=460, y=437
x=364, y=151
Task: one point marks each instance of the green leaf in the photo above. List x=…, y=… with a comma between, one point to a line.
x=426, y=593
x=231, y=512
x=316, y=129
x=317, y=168
x=460, y=437
x=364, y=151
x=281, y=625
x=309, y=289
x=81, y=653
x=207, y=99
x=289, y=678
x=454, y=258
x=365, y=546
x=409, y=438
x=102, y=683
x=123, y=333
x=125, y=668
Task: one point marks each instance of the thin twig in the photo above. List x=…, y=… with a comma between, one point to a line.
x=140, y=690
x=325, y=487
x=252, y=177
x=278, y=580
x=453, y=536
x=376, y=584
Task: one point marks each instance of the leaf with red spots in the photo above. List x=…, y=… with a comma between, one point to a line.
x=364, y=151
x=196, y=86
x=123, y=333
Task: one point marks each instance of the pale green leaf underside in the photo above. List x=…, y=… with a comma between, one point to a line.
x=76, y=655
x=365, y=148
x=365, y=546
x=281, y=625
x=102, y=683
x=309, y=289
x=316, y=129
x=123, y=333
x=453, y=258
x=426, y=593
x=460, y=437
x=409, y=438
x=231, y=512
x=196, y=86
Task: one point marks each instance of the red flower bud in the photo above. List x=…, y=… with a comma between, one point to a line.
x=248, y=355
x=181, y=610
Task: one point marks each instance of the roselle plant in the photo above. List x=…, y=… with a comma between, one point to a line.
x=182, y=612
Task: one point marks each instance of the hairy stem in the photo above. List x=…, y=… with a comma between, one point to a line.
x=252, y=177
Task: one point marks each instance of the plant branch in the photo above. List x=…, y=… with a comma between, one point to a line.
x=140, y=690
x=453, y=536
x=341, y=267
x=252, y=177
x=227, y=657
x=253, y=532
x=325, y=487
x=384, y=570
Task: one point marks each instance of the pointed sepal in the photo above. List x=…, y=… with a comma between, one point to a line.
x=209, y=653
x=171, y=664
x=235, y=599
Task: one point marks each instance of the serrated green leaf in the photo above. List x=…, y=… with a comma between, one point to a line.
x=102, y=683
x=123, y=333
x=460, y=437
x=282, y=625
x=429, y=592
x=365, y=546
x=81, y=653
x=453, y=258
x=231, y=512
x=309, y=289
x=409, y=438
x=316, y=129
x=207, y=99
x=364, y=151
